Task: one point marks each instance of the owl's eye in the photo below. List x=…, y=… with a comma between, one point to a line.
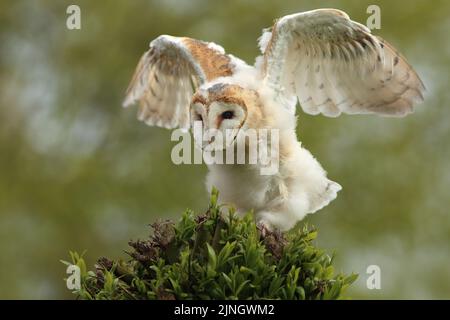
x=199, y=117
x=227, y=115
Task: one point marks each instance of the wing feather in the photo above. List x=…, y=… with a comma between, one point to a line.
x=167, y=76
x=334, y=65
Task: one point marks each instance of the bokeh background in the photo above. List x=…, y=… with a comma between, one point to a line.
x=79, y=172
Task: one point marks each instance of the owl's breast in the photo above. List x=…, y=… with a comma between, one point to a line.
x=240, y=185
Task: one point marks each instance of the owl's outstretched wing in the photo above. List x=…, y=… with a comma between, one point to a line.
x=167, y=76
x=334, y=65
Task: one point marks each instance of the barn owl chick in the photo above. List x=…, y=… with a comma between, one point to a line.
x=322, y=59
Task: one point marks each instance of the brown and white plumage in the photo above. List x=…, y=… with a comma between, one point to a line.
x=169, y=73
x=322, y=59
x=334, y=65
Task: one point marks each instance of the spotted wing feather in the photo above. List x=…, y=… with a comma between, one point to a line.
x=167, y=76
x=335, y=65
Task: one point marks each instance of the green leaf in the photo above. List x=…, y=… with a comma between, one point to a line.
x=215, y=256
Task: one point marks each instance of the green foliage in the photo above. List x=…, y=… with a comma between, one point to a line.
x=216, y=256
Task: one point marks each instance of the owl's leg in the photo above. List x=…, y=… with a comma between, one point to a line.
x=266, y=220
x=282, y=220
x=286, y=214
x=275, y=220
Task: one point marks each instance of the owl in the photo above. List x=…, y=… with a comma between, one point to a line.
x=319, y=60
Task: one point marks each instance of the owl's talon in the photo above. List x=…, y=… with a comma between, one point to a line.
x=263, y=229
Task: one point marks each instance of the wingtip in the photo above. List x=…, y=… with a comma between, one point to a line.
x=128, y=101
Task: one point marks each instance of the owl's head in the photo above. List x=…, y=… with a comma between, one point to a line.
x=224, y=110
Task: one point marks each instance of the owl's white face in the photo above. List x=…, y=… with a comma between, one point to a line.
x=221, y=123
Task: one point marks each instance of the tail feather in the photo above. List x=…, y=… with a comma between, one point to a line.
x=324, y=196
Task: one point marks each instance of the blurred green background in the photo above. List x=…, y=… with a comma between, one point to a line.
x=79, y=172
